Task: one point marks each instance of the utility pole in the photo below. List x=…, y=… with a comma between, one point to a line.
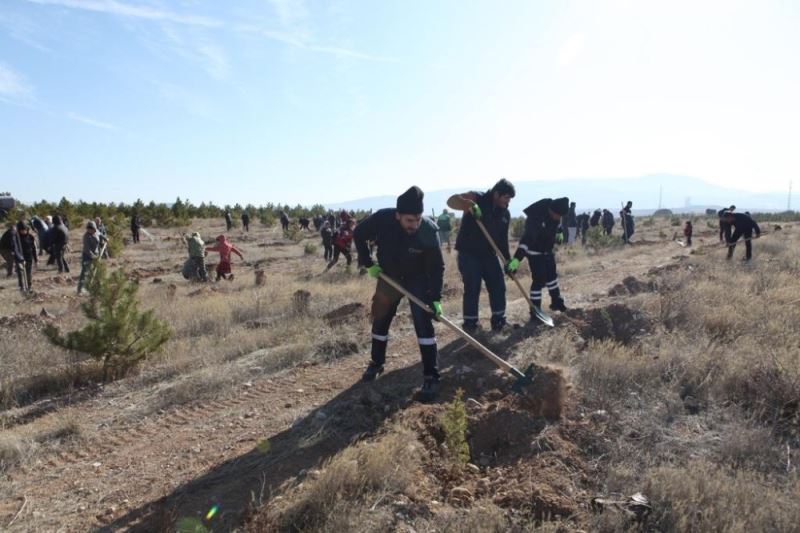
x=789, y=202
x=660, y=190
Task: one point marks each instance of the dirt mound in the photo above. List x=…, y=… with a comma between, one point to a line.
x=631, y=286
x=336, y=349
x=148, y=272
x=25, y=320
x=616, y=322
x=345, y=313
x=519, y=460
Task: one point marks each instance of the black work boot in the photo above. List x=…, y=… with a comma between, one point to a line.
x=372, y=372
x=429, y=390
x=499, y=325
x=470, y=326
x=558, y=305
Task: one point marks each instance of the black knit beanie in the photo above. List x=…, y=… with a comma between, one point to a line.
x=410, y=202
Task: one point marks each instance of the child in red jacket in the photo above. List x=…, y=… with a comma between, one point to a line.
x=341, y=243
x=687, y=232
x=225, y=248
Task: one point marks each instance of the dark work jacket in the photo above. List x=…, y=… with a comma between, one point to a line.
x=402, y=256
x=744, y=224
x=471, y=239
x=628, y=222
x=540, y=230
x=24, y=247
x=7, y=240
x=327, y=236
x=60, y=236
x=724, y=227
x=583, y=222
x=595, y=220
x=608, y=220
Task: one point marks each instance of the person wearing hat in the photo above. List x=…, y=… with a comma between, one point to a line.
x=409, y=252
x=541, y=225
x=25, y=255
x=92, y=249
x=476, y=257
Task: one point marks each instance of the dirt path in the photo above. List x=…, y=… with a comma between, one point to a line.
x=236, y=452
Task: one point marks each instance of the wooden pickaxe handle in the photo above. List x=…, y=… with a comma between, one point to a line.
x=502, y=363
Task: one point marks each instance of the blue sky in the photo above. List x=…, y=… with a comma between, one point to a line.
x=302, y=101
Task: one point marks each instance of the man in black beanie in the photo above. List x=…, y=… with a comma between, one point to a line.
x=409, y=252
x=537, y=244
x=476, y=258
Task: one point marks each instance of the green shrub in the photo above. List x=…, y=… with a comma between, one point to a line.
x=118, y=334
x=597, y=238
x=310, y=248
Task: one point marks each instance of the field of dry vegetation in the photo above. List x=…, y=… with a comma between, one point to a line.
x=675, y=374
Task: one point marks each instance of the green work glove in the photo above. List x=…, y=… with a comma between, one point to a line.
x=437, y=309
x=476, y=211
x=560, y=238
x=375, y=271
x=512, y=266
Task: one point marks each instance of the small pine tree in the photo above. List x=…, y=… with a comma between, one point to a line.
x=454, y=424
x=118, y=334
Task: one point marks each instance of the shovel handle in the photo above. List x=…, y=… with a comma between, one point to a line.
x=500, y=255
x=502, y=363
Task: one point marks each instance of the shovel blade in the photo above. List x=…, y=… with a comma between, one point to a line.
x=523, y=380
x=543, y=317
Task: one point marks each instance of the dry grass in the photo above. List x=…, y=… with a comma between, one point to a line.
x=706, y=497
x=360, y=475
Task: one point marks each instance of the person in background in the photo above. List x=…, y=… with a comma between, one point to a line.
x=687, y=232
x=24, y=255
x=225, y=249
x=93, y=244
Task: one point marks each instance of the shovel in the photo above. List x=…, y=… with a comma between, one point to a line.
x=523, y=378
x=541, y=315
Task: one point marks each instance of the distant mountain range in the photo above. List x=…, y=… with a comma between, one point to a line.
x=681, y=194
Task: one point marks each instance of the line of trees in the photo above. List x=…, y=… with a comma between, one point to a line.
x=179, y=213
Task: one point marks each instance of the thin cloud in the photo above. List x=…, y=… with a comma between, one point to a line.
x=571, y=49
x=292, y=15
x=24, y=30
x=288, y=13
x=112, y=7
x=298, y=41
x=90, y=121
x=13, y=85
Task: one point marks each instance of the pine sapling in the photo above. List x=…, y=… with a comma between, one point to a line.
x=118, y=334
x=454, y=424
